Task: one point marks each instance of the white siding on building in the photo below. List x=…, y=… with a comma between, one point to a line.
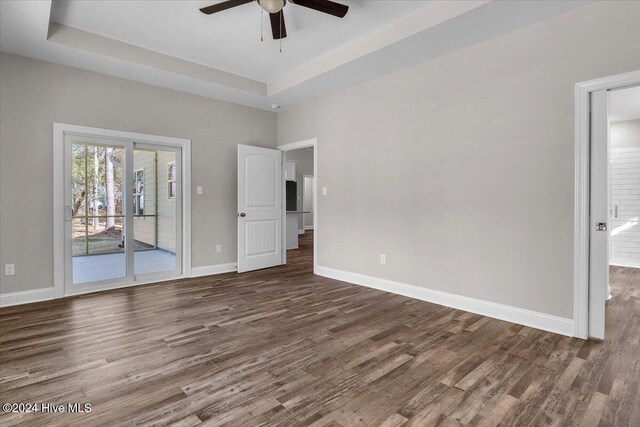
x=166, y=206
x=144, y=229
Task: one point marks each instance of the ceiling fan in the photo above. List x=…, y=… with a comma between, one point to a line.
x=274, y=9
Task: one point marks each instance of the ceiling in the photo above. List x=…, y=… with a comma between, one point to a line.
x=230, y=40
x=624, y=104
x=171, y=44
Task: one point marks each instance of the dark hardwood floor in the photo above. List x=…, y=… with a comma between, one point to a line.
x=285, y=347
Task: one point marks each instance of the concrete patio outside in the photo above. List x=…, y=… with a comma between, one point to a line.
x=92, y=268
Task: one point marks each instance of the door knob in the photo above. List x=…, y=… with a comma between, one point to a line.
x=601, y=226
x=242, y=214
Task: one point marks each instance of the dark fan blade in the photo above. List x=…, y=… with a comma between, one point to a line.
x=276, y=20
x=326, y=6
x=218, y=7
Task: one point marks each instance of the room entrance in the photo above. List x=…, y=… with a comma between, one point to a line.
x=300, y=216
x=607, y=206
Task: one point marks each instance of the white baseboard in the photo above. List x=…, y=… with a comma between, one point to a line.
x=621, y=262
x=45, y=294
x=25, y=297
x=546, y=322
x=209, y=270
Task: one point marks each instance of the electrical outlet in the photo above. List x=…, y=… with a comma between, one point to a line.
x=9, y=269
x=324, y=191
x=383, y=259
x=218, y=248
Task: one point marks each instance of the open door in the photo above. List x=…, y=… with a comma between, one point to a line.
x=259, y=208
x=599, y=213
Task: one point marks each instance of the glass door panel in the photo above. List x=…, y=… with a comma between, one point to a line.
x=156, y=215
x=123, y=204
x=97, y=211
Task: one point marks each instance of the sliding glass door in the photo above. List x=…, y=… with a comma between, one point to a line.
x=123, y=206
x=156, y=210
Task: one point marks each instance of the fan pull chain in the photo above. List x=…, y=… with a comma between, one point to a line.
x=261, y=25
x=281, y=15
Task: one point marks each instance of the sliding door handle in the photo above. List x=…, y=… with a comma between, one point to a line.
x=67, y=213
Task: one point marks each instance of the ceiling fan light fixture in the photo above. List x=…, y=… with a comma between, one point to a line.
x=272, y=6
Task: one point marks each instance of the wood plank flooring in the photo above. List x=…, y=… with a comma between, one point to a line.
x=285, y=347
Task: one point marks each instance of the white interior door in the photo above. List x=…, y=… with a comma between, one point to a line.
x=259, y=208
x=599, y=213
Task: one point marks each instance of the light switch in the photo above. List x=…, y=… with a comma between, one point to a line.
x=324, y=191
x=199, y=189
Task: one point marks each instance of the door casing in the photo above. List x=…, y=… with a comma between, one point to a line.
x=583, y=224
x=598, y=212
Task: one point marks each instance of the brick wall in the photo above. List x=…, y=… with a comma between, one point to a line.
x=625, y=194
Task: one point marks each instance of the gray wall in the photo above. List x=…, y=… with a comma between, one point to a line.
x=461, y=169
x=304, y=160
x=34, y=94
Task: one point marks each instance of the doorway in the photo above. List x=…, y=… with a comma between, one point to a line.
x=124, y=198
x=597, y=181
x=300, y=216
x=624, y=178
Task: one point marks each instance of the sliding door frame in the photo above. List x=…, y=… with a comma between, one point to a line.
x=60, y=130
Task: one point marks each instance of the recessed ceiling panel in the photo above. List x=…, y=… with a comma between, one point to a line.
x=230, y=40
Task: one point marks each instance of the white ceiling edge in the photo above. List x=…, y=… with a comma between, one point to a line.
x=152, y=76
x=480, y=24
x=436, y=12
x=100, y=45
x=24, y=32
